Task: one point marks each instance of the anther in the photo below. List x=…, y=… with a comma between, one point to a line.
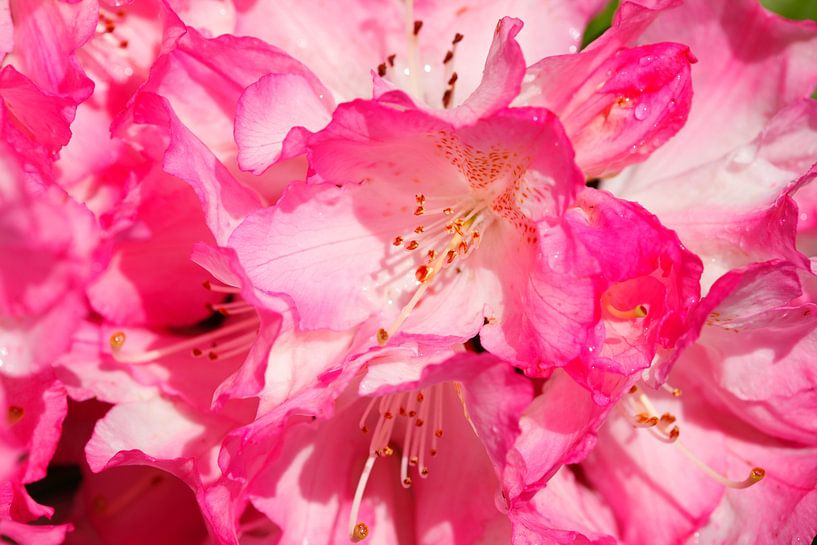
x=390, y=59
x=667, y=418
x=381, y=69
x=419, y=229
x=453, y=79
x=448, y=211
x=450, y=256
x=15, y=414
x=417, y=26
x=447, y=98
x=397, y=241
x=420, y=198
x=412, y=245
x=644, y=420
x=419, y=211
x=413, y=461
x=423, y=273
x=382, y=337
x=420, y=397
x=431, y=255
x=448, y=56
x=457, y=38
x=407, y=482
x=419, y=423
x=364, y=429
x=117, y=340
x=633, y=389
x=424, y=471
x=438, y=433
x=212, y=354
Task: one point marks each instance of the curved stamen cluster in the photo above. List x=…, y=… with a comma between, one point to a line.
x=413, y=27
x=453, y=233
x=227, y=341
x=106, y=27
x=663, y=428
x=420, y=415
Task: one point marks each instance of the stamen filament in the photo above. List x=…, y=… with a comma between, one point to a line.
x=220, y=288
x=361, y=487
x=755, y=475
x=152, y=355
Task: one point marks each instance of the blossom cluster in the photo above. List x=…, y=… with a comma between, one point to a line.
x=407, y=272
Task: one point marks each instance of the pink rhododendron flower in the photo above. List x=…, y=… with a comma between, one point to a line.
x=325, y=272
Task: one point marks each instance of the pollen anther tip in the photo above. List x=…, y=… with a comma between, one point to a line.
x=117, y=340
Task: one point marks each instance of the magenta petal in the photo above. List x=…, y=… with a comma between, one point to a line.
x=224, y=200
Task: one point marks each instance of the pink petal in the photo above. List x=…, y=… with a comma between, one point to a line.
x=266, y=112
x=150, y=279
x=40, y=118
x=224, y=200
x=565, y=511
x=619, y=111
x=46, y=36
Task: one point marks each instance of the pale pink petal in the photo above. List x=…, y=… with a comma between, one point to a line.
x=157, y=432
x=266, y=112
x=741, y=81
x=552, y=28
x=341, y=43
x=746, y=178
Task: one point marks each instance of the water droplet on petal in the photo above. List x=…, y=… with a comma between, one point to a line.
x=644, y=61
x=641, y=111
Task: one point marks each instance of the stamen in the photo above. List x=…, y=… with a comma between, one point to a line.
x=755, y=475
x=404, y=478
x=362, y=424
x=672, y=435
x=676, y=392
x=219, y=288
x=417, y=26
x=355, y=527
x=639, y=311
x=15, y=414
x=413, y=46
x=118, y=339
